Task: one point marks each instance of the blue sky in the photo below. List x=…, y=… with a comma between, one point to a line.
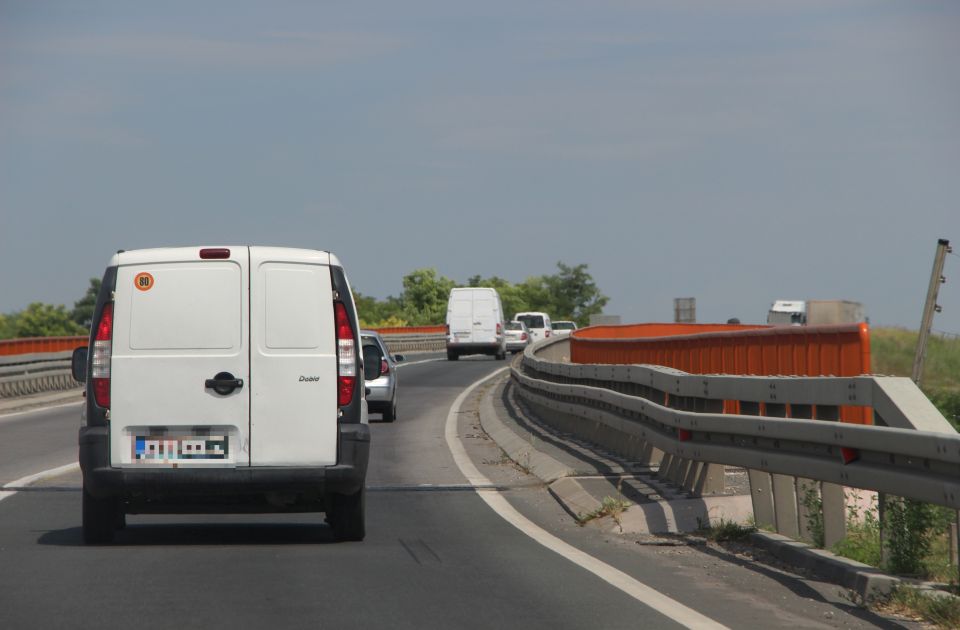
x=737, y=152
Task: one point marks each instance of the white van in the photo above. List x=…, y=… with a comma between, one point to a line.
x=223, y=379
x=538, y=323
x=475, y=323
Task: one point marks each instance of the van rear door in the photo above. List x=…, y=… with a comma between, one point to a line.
x=179, y=321
x=485, y=316
x=293, y=371
x=460, y=315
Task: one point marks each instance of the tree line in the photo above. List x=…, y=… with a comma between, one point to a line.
x=47, y=320
x=571, y=294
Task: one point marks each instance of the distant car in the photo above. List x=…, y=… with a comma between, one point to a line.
x=382, y=396
x=563, y=328
x=538, y=324
x=518, y=336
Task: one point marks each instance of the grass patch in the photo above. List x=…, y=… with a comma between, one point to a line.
x=892, y=351
x=613, y=507
x=726, y=531
x=939, y=608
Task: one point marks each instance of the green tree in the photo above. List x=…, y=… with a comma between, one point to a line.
x=424, y=298
x=46, y=320
x=574, y=294
x=83, y=308
x=7, y=326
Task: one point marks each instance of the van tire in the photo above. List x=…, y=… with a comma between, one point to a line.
x=452, y=356
x=347, y=516
x=390, y=413
x=100, y=518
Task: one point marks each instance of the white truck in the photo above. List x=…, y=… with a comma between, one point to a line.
x=815, y=312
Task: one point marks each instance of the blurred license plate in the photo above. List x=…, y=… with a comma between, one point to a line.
x=180, y=448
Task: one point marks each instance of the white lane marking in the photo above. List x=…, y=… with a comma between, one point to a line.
x=638, y=590
x=4, y=417
x=405, y=364
x=40, y=476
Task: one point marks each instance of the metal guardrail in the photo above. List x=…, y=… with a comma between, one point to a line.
x=674, y=421
x=37, y=372
x=432, y=342
x=24, y=374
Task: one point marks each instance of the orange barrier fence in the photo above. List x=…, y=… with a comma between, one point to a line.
x=734, y=349
x=30, y=345
x=413, y=330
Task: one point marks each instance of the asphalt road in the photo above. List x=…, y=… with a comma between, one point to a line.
x=436, y=555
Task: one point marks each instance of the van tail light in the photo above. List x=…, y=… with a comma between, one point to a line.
x=499, y=329
x=384, y=367
x=346, y=356
x=102, y=352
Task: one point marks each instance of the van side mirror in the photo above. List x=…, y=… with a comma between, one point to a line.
x=78, y=364
x=371, y=362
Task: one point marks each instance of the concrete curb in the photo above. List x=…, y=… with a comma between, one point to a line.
x=33, y=401
x=866, y=581
x=669, y=515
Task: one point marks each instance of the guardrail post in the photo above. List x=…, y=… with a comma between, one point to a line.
x=808, y=510
x=679, y=473
x=761, y=494
x=785, y=505
x=711, y=480
x=833, y=500
x=663, y=472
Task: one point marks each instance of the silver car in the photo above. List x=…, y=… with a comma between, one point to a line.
x=518, y=336
x=380, y=374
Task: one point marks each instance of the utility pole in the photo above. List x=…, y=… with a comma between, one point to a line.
x=931, y=307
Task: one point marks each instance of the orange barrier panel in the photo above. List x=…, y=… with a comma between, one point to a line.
x=30, y=345
x=413, y=330
x=734, y=349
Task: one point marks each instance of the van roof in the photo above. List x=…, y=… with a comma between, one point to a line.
x=163, y=254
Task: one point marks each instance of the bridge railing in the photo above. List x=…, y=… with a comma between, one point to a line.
x=675, y=422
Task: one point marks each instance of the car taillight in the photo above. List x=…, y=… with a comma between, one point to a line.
x=546, y=334
x=346, y=356
x=384, y=367
x=100, y=362
x=523, y=336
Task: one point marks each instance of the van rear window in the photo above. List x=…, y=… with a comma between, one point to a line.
x=532, y=321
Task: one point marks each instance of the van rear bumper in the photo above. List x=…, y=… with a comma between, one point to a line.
x=239, y=485
x=463, y=349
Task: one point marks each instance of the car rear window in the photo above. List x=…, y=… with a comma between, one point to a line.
x=563, y=326
x=532, y=321
x=514, y=326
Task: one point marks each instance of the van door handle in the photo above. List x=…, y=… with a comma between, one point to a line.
x=223, y=383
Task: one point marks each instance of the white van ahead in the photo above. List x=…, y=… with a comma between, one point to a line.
x=223, y=379
x=538, y=323
x=475, y=323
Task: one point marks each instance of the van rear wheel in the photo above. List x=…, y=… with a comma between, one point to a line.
x=452, y=356
x=347, y=516
x=390, y=413
x=100, y=519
